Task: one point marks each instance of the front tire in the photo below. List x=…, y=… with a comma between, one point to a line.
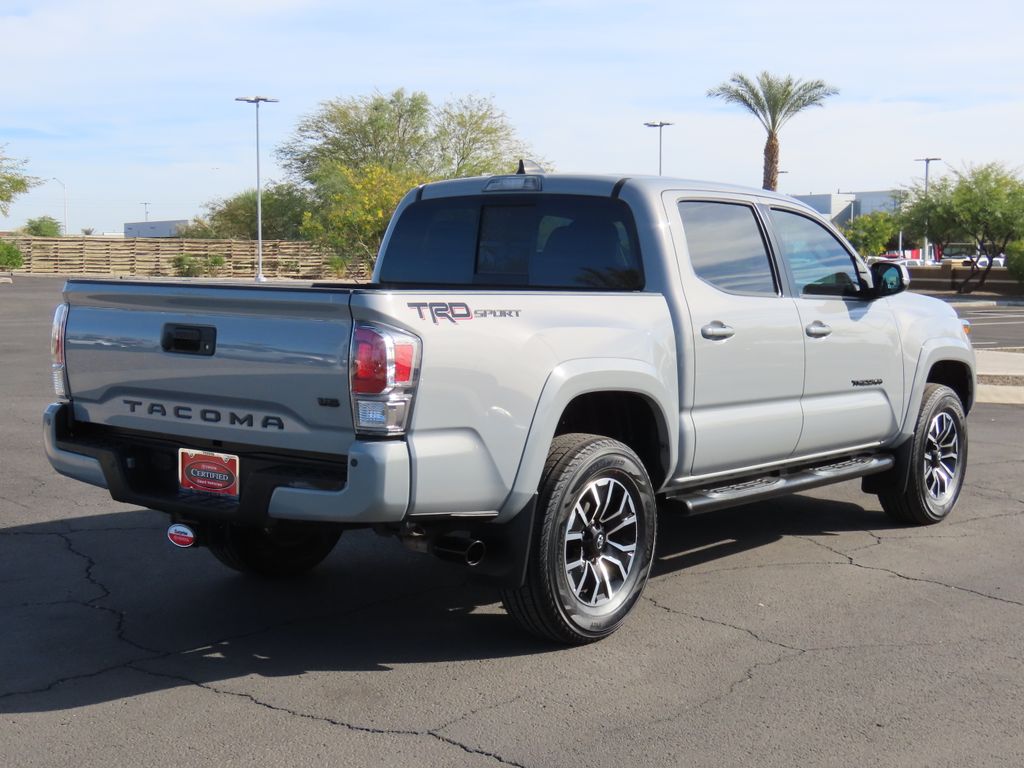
x=284, y=551
x=593, y=545
x=938, y=461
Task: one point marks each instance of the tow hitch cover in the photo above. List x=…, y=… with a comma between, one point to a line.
x=181, y=535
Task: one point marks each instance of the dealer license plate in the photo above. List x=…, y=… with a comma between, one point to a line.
x=208, y=472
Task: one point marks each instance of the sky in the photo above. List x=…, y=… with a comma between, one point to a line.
x=127, y=102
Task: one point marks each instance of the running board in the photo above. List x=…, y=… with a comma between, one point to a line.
x=780, y=483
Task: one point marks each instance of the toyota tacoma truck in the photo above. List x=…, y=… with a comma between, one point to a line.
x=539, y=364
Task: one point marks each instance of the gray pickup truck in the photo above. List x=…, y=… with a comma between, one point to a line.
x=540, y=363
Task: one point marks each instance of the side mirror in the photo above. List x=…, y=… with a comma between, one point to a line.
x=889, y=278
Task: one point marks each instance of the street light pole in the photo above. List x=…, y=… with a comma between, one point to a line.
x=146, y=207
x=260, y=278
x=659, y=124
x=64, y=186
x=927, y=162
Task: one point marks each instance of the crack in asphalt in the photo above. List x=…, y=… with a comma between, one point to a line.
x=698, y=571
x=798, y=649
x=745, y=630
x=789, y=652
x=956, y=587
x=480, y=710
x=119, y=616
x=154, y=654
x=430, y=732
x=15, y=503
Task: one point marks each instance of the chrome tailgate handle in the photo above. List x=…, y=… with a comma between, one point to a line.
x=717, y=330
x=818, y=330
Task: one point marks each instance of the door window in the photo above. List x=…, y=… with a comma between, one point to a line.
x=727, y=248
x=820, y=265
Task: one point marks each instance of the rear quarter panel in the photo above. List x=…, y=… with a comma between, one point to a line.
x=484, y=373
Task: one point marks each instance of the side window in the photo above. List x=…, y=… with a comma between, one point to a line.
x=821, y=266
x=726, y=247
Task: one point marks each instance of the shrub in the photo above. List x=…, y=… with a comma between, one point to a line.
x=1015, y=260
x=337, y=266
x=214, y=263
x=10, y=256
x=188, y=265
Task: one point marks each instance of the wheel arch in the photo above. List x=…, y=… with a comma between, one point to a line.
x=940, y=361
x=582, y=396
x=957, y=376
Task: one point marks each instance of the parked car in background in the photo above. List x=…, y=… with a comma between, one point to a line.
x=982, y=261
x=960, y=252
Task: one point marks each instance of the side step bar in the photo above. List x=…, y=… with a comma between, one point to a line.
x=780, y=483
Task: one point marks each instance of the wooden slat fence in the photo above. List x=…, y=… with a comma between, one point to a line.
x=154, y=257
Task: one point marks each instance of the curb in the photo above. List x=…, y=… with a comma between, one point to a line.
x=994, y=393
x=963, y=303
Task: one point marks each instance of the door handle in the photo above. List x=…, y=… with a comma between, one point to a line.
x=818, y=330
x=717, y=331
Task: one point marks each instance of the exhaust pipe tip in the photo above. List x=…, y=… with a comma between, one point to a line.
x=470, y=552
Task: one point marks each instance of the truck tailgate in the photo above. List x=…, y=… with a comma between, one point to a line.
x=252, y=365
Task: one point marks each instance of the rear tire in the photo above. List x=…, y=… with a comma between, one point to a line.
x=593, y=542
x=938, y=461
x=284, y=551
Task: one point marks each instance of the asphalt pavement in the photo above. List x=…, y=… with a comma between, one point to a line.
x=808, y=631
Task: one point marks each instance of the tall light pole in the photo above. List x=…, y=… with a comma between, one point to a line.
x=927, y=162
x=64, y=186
x=259, y=188
x=146, y=207
x=659, y=124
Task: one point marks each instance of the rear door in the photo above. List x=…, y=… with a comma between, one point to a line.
x=747, y=340
x=853, y=385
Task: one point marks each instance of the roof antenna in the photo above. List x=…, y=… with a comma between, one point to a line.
x=528, y=166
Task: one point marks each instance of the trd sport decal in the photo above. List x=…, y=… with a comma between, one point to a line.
x=453, y=311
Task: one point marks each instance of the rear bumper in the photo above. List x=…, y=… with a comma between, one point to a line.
x=371, y=486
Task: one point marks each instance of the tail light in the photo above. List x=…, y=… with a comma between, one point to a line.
x=57, y=371
x=384, y=368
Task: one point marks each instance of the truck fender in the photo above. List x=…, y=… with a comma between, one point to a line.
x=577, y=377
x=935, y=351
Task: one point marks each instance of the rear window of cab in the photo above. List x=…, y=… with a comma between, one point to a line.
x=516, y=241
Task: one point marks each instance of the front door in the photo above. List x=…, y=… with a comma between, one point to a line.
x=853, y=379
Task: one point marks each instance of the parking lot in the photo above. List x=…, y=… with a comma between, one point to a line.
x=808, y=631
x=995, y=327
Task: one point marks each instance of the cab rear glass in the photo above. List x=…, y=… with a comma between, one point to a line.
x=516, y=241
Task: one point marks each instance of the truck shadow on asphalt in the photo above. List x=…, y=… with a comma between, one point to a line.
x=103, y=608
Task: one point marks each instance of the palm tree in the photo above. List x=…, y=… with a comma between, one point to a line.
x=772, y=100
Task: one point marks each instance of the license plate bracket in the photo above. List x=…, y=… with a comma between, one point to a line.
x=208, y=472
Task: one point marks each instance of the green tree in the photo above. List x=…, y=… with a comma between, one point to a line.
x=871, y=233
x=403, y=134
x=391, y=132
x=42, y=226
x=932, y=215
x=471, y=137
x=10, y=256
x=1015, y=260
x=358, y=156
x=234, y=218
x=353, y=216
x=13, y=180
x=773, y=101
x=989, y=202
